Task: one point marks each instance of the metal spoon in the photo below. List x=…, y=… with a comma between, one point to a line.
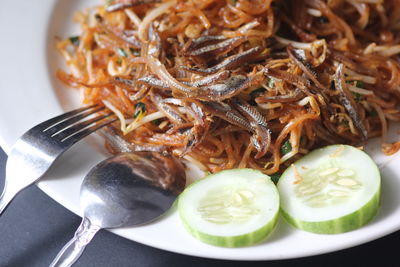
x=124, y=190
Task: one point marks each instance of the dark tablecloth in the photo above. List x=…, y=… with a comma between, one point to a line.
x=34, y=228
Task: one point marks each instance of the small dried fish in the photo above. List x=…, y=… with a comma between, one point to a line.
x=297, y=57
x=261, y=138
x=128, y=4
x=220, y=91
x=347, y=101
x=216, y=49
x=230, y=62
x=227, y=113
x=171, y=113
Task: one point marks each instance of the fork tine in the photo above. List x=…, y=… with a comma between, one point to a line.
x=71, y=139
x=37, y=149
x=75, y=128
x=69, y=121
x=56, y=120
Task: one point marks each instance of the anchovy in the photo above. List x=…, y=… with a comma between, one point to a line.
x=200, y=128
x=348, y=102
x=151, y=80
x=198, y=131
x=220, y=91
x=230, y=62
x=168, y=110
x=197, y=113
x=210, y=79
x=132, y=3
x=204, y=39
x=298, y=81
x=227, y=113
x=306, y=67
x=140, y=90
x=251, y=112
x=218, y=48
x=261, y=138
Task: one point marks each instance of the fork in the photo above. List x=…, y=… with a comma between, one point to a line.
x=36, y=150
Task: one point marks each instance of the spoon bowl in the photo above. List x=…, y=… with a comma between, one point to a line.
x=128, y=189
x=131, y=189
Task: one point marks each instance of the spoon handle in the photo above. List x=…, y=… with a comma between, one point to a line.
x=71, y=252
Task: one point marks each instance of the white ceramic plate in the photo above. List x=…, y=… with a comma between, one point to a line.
x=29, y=94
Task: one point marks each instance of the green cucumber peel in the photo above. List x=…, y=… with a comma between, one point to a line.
x=232, y=208
x=331, y=190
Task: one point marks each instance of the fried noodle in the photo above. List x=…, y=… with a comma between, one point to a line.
x=240, y=83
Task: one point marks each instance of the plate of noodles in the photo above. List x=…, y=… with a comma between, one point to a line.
x=220, y=84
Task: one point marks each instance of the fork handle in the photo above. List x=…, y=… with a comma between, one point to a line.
x=71, y=252
x=6, y=197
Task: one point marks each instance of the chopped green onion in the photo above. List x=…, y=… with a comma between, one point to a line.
x=134, y=52
x=344, y=123
x=233, y=2
x=359, y=84
x=98, y=17
x=373, y=113
x=271, y=83
x=140, y=105
x=357, y=96
x=275, y=177
x=138, y=114
x=74, y=40
x=323, y=19
x=122, y=52
x=119, y=61
x=140, y=108
x=286, y=147
x=256, y=92
x=332, y=85
x=156, y=122
x=109, y=2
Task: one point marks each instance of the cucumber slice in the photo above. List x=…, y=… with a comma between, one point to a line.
x=232, y=208
x=331, y=190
